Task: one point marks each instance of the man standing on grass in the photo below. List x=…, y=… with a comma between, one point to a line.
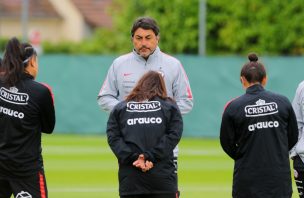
x=127, y=69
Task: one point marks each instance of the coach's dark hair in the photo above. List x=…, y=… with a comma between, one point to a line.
x=146, y=23
x=15, y=59
x=150, y=85
x=253, y=71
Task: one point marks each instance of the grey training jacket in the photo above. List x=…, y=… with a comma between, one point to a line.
x=127, y=69
x=298, y=106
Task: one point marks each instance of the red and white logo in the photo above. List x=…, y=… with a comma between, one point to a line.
x=127, y=74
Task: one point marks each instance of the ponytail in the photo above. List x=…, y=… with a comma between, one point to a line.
x=15, y=59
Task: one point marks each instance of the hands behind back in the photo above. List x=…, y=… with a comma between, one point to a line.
x=143, y=164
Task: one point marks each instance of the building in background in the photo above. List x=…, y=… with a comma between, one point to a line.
x=55, y=20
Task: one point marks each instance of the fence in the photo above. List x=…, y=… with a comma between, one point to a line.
x=76, y=81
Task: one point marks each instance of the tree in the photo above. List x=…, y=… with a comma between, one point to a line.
x=178, y=21
x=233, y=27
x=264, y=26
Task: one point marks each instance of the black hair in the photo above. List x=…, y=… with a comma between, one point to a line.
x=15, y=59
x=145, y=23
x=253, y=71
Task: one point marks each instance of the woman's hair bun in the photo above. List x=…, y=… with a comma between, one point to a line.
x=253, y=57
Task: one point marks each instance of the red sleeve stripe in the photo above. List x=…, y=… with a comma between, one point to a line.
x=50, y=89
x=189, y=92
x=42, y=185
x=188, y=87
x=104, y=83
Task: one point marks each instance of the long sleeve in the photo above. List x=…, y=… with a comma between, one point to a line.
x=293, y=132
x=182, y=92
x=227, y=135
x=108, y=94
x=122, y=151
x=47, y=110
x=297, y=105
x=169, y=141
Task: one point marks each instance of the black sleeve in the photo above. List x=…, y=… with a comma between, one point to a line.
x=122, y=151
x=227, y=135
x=47, y=111
x=292, y=129
x=169, y=141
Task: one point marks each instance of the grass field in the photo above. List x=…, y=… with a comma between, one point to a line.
x=79, y=166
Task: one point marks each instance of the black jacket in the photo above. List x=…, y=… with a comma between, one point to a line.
x=153, y=128
x=26, y=110
x=258, y=129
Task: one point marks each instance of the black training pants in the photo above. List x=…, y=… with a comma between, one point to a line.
x=171, y=195
x=34, y=187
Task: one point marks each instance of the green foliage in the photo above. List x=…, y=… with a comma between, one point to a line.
x=102, y=42
x=238, y=27
x=232, y=27
x=3, y=42
x=267, y=27
x=177, y=19
x=64, y=47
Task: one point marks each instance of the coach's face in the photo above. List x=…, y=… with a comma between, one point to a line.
x=145, y=42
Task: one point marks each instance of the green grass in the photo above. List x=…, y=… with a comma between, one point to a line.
x=79, y=166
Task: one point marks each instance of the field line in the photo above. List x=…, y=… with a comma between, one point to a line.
x=76, y=150
x=214, y=188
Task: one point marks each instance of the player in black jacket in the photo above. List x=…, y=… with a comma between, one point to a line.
x=258, y=129
x=26, y=110
x=142, y=132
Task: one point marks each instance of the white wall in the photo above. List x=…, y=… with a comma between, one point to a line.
x=71, y=26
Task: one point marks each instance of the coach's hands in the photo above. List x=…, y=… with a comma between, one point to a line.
x=143, y=164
